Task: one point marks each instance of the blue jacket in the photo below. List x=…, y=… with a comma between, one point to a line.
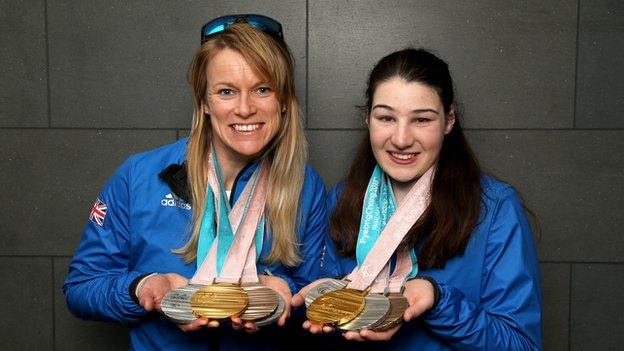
x=144, y=220
x=490, y=295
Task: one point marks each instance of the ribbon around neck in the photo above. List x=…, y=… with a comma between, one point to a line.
x=226, y=251
x=382, y=228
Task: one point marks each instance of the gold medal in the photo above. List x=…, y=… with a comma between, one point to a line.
x=336, y=307
x=219, y=301
x=398, y=305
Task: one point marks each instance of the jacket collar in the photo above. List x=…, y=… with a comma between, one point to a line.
x=176, y=177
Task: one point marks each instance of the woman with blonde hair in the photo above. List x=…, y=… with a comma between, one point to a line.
x=167, y=214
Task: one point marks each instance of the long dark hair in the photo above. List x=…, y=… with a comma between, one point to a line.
x=444, y=229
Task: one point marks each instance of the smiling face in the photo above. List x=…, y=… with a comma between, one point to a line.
x=407, y=125
x=243, y=108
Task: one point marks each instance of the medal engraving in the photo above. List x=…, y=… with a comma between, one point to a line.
x=336, y=307
x=324, y=288
x=176, y=305
x=219, y=301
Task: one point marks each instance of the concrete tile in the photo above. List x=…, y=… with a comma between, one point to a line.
x=600, y=88
x=331, y=153
x=26, y=306
x=51, y=178
x=556, y=305
x=571, y=180
x=24, y=86
x=123, y=64
x=513, y=63
x=597, y=307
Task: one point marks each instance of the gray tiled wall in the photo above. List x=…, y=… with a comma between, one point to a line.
x=85, y=84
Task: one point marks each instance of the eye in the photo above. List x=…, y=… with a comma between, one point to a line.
x=225, y=92
x=422, y=120
x=264, y=90
x=385, y=118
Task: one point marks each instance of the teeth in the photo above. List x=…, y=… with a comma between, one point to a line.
x=246, y=127
x=402, y=156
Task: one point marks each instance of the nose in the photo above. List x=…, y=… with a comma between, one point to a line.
x=246, y=107
x=402, y=137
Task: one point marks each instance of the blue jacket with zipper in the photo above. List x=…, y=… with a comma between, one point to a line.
x=490, y=295
x=146, y=215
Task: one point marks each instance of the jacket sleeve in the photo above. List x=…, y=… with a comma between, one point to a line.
x=99, y=276
x=311, y=226
x=508, y=315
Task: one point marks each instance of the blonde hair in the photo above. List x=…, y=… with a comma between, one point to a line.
x=287, y=151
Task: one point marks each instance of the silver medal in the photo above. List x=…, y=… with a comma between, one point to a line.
x=176, y=305
x=275, y=315
x=375, y=311
x=262, y=302
x=324, y=288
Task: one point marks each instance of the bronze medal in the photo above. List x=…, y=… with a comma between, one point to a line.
x=262, y=302
x=336, y=307
x=398, y=305
x=219, y=301
x=375, y=311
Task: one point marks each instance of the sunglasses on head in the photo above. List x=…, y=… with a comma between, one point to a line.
x=263, y=23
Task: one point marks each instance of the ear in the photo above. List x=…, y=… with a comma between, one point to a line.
x=206, y=107
x=450, y=120
x=367, y=120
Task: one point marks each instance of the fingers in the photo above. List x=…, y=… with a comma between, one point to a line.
x=414, y=310
x=282, y=320
x=298, y=299
x=353, y=336
x=176, y=280
x=251, y=327
x=146, y=301
x=195, y=325
x=237, y=323
x=379, y=336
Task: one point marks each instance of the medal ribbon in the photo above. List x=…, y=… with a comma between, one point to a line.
x=227, y=253
x=382, y=228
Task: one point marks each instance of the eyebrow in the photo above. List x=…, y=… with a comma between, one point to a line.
x=421, y=110
x=231, y=84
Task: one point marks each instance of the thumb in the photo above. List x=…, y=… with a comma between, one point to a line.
x=147, y=302
x=297, y=300
x=413, y=311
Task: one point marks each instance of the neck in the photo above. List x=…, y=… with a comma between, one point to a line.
x=400, y=190
x=230, y=166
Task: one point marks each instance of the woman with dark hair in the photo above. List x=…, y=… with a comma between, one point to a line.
x=475, y=283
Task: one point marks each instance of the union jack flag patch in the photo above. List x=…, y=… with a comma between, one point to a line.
x=98, y=212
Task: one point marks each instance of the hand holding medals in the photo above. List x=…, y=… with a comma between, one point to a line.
x=370, y=298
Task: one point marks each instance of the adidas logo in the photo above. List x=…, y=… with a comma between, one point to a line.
x=170, y=200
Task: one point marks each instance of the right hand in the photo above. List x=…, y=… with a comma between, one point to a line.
x=299, y=300
x=153, y=290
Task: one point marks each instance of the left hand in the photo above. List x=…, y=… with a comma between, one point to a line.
x=278, y=285
x=420, y=296
x=369, y=335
